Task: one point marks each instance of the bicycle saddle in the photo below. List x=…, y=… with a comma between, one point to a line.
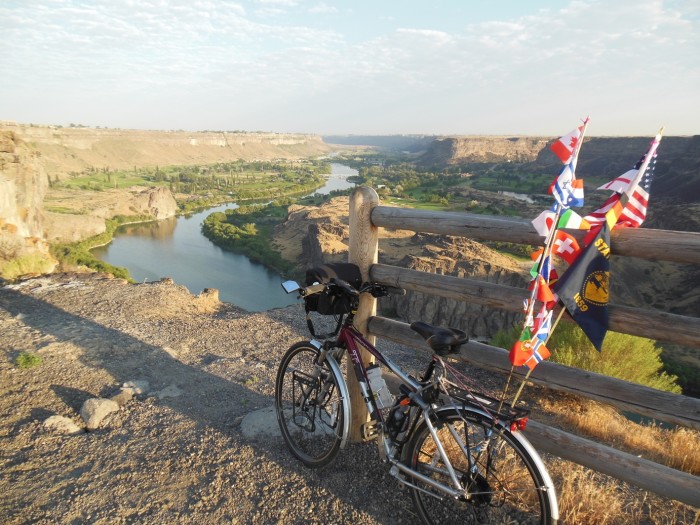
x=441, y=340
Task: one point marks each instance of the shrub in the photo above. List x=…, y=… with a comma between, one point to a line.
x=28, y=360
x=634, y=359
x=31, y=263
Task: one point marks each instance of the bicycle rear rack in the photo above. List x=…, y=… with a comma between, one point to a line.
x=497, y=409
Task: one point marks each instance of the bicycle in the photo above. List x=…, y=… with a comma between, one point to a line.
x=461, y=452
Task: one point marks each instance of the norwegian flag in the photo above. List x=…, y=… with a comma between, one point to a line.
x=539, y=353
x=634, y=211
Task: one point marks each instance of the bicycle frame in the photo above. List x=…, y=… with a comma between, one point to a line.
x=434, y=397
x=351, y=340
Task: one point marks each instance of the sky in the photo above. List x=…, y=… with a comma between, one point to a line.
x=378, y=67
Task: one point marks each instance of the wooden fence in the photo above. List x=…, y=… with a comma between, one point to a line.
x=366, y=216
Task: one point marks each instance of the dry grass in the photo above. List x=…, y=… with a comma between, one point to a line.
x=677, y=448
x=589, y=498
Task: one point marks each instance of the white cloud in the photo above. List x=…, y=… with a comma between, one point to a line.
x=430, y=77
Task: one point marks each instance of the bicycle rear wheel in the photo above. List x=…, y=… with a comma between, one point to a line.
x=309, y=406
x=505, y=484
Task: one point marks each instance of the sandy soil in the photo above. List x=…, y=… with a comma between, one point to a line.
x=176, y=454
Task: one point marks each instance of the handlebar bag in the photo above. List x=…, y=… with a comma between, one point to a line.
x=332, y=302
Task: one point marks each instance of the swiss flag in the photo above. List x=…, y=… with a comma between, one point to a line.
x=565, y=246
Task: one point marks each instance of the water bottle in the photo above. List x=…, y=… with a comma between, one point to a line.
x=382, y=396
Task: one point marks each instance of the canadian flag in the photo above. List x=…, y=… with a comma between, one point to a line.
x=565, y=146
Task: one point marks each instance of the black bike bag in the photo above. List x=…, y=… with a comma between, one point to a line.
x=331, y=302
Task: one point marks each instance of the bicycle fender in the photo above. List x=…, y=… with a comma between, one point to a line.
x=345, y=395
x=551, y=492
x=520, y=438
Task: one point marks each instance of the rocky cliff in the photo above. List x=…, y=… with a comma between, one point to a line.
x=92, y=208
x=27, y=227
x=317, y=235
x=444, y=151
x=66, y=150
x=23, y=185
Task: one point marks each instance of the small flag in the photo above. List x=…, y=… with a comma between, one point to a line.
x=565, y=246
x=564, y=147
x=561, y=186
x=543, y=323
x=584, y=288
x=547, y=270
x=543, y=222
x=566, y=188
x=539, y=353
x=544, y=294
x=572, y=220
x=575, y=197
x=630, y=203
x=518, y=355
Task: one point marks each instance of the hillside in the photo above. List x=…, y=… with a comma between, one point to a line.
x=66, y=150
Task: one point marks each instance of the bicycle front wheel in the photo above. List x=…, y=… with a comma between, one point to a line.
x=503, y=481
x=309, y=405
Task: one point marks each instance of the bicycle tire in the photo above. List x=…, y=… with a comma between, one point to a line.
x=507, y=485
x=310, y=407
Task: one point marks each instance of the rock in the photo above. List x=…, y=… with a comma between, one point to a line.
x=261, y=423
x=123, y=397
x=63, y=425
x=138, y=386
x=94, y=411
x=23, y=186
x=169, y=391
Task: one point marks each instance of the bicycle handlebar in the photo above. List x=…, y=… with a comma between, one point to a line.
x=377, y=290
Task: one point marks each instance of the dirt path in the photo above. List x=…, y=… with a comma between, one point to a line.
x=176, y=454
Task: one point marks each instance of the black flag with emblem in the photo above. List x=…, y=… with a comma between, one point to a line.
x=584, y=288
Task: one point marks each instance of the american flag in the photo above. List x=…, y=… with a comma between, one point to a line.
x=632, y=196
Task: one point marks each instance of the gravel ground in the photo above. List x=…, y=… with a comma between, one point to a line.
x=176, y=454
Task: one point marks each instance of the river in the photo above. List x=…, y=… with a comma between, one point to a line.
x=176, y=248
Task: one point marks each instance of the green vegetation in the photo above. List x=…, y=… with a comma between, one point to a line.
x=79, y=254
x=27, y=360
x=248, y=230
x=623, y=356
x=198, y=187
x=26, y=264
x=403, y=184
x=682, y=362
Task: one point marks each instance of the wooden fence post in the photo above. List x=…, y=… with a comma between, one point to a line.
x=362, y=251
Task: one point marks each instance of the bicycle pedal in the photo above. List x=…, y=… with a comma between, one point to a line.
x=370, y=430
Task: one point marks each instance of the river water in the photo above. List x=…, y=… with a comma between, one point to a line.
x=176, y=248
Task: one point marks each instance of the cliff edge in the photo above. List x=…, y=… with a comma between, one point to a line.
x=23, y=186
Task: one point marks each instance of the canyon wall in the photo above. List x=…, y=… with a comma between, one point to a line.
x=23, y=185
x=66, y=150
x=444, y=151
x=315, y=235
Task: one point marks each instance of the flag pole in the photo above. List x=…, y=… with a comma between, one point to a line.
x=551, y=234
x=624, y=199
x=529, y=311
x=527, y=376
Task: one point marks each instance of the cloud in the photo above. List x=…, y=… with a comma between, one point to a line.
x=430, y=74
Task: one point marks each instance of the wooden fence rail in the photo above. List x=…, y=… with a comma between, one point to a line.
x=683, y=247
